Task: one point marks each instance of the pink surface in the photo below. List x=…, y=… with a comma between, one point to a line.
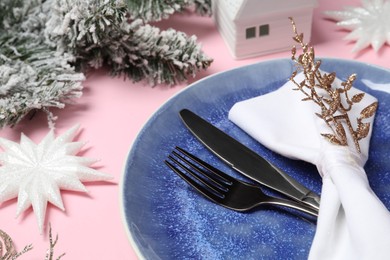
x=111, y=112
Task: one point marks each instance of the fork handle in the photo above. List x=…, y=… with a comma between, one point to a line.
x=292, y=204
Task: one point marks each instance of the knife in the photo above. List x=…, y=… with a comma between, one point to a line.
x=246, y=161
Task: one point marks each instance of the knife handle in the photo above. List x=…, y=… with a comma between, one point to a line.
x=312, y=200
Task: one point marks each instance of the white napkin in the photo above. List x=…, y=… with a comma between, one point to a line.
x=352, y=223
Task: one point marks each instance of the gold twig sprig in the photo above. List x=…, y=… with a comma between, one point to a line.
x=7, y=248
x=335, y=103
x=50, y=251
x=8, y=251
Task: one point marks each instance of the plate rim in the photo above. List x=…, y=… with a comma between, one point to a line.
x=124, y=221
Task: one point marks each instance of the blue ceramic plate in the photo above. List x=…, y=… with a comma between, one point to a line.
x=167, y=219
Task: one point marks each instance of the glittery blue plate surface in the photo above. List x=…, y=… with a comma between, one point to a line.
x=167, y=219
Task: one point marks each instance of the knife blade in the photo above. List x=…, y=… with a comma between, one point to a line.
x=246, y=161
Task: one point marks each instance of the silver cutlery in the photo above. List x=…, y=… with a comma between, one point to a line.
x=222, y=188
x=246, y=161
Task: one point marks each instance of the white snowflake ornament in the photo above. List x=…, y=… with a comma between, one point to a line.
x=35, y=173
x=369, y=24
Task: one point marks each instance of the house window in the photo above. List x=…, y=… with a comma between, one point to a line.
x=250, y=32
x=264, y=30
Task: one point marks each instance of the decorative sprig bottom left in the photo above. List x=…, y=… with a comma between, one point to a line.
x=9, y=252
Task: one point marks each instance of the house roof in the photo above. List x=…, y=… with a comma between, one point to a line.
x=246, y=9
x=232, y=7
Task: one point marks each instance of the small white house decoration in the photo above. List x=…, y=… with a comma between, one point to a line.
x=258, y=27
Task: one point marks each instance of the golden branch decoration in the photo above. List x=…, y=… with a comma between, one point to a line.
x=7, y=248
x=334, y=103
x=52, y=244
x=8, y=251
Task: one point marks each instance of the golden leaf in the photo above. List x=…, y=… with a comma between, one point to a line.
x=340, y=129
x=333, y=139
x=301, y=58
x=369, y=111
x=352, y=78
x=294, y=50
x=348, y=84
x=357, y=98
x=311, y=53
x=319, y=115
x=302, y=84
x=298, y=38
x=331, y=77
x=333, y=106
x=293, y=75
x=317, y=65
x=362, y=130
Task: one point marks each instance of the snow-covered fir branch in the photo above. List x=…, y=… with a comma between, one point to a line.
x=33, y=75
x=203, y=7
x=156, y=10
x=135, y=49
x=46, y=45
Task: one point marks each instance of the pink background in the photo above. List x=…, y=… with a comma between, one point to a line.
x=111, y=112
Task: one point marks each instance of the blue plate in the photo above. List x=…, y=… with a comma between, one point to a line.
x=167, y=219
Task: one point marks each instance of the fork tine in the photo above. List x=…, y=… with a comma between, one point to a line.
x=205, y=170
x=200, y=174
x=213, y=195
x=216, y=175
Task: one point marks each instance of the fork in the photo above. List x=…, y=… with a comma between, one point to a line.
x=222, y=188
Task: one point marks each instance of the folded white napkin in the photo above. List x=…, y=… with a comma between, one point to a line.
x=352, y=223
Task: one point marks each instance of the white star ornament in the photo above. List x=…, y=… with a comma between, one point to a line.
x=35, y=173
x=369, y=24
